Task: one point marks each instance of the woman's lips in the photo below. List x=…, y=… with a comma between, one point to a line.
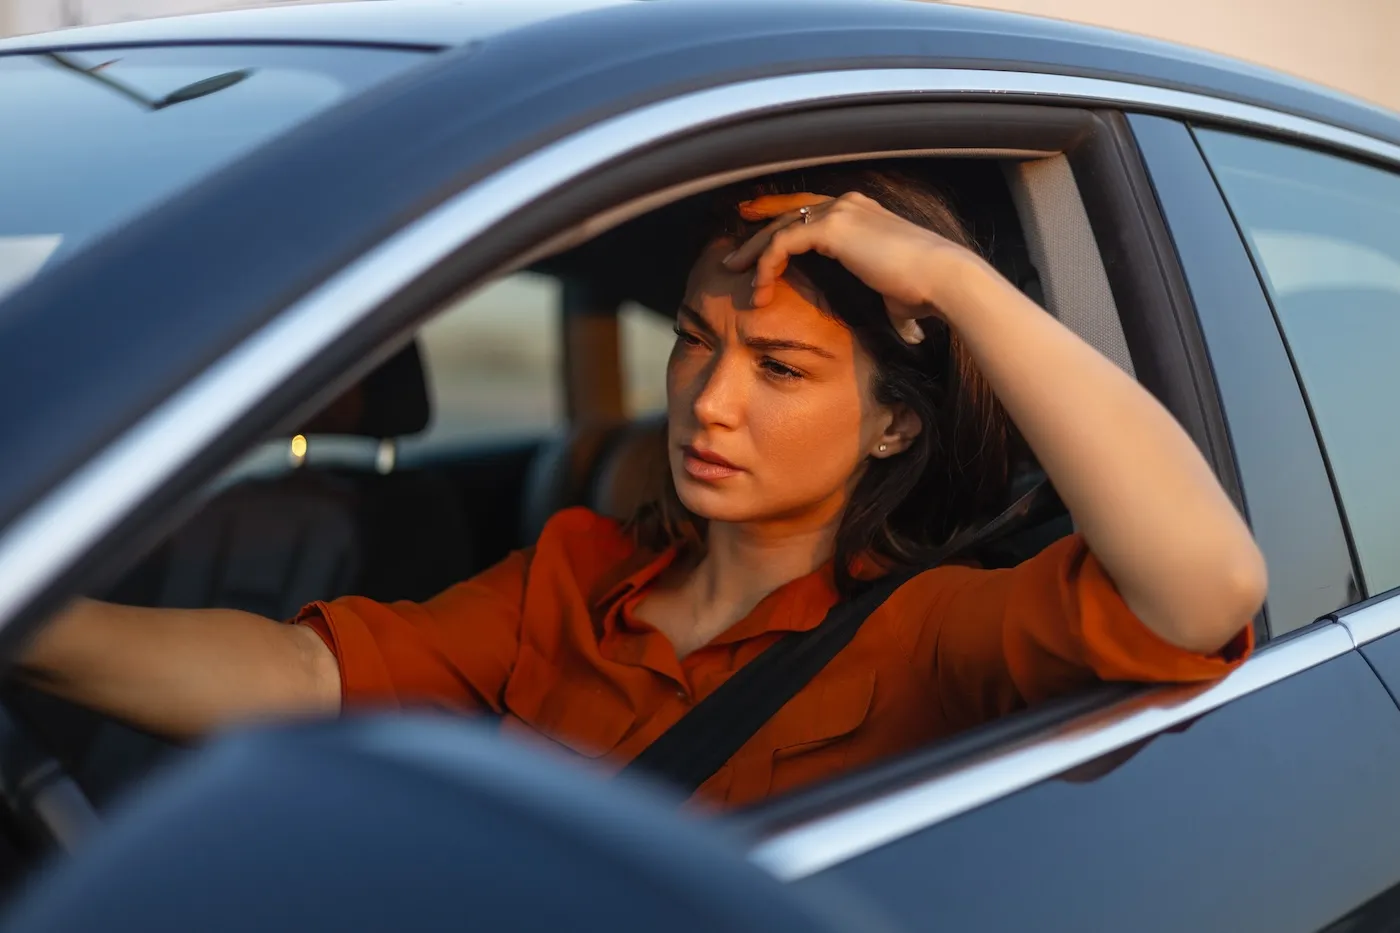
x=705, y=465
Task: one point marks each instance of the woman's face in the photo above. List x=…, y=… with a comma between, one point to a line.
x=770, y=410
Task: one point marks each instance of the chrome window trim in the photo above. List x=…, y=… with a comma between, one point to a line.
x=51, y=535
x=1369, y=622
x=812, y=847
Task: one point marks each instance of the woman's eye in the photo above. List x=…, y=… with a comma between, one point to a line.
x=781, y=371
x=687, y=338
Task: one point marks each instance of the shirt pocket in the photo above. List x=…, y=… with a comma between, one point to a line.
x=577, y=707
x=809, y=738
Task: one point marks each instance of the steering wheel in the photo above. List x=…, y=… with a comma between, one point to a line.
x=38, y=790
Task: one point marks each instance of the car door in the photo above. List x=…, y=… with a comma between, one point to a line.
x=1323, y=232
x=1320, y=232
x=1263, y=802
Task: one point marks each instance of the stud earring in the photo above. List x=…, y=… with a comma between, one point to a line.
x=884, y=447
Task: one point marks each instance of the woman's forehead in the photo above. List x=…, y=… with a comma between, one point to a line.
x=711, y=285
x=723, y=301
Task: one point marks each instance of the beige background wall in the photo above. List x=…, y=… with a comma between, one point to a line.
x=1352, y=45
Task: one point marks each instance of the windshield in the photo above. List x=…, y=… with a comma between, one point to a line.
x=94, y=138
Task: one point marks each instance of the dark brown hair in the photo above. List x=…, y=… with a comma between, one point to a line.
x=956, y=471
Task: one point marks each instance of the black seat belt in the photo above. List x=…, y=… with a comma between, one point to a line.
x=701, y=741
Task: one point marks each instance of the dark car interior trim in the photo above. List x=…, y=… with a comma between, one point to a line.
x=1162, y=331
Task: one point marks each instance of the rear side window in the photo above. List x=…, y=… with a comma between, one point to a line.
x=93, y=138
x=1325, y=235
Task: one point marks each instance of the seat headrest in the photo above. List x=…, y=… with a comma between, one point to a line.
x=632, y=470
x=392, y=401
x=612, y=468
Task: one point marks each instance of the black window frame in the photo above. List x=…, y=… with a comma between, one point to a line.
x=1364, y=593
x=1294, y=512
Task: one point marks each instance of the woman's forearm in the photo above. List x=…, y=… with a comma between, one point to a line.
x=182, y=672
x=1144, y=498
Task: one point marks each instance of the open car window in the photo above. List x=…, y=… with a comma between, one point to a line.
x=494, y=372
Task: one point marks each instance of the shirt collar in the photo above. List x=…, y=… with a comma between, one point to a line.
x=638, y=573
x=797, y=606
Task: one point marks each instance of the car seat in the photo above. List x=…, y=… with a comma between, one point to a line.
x=270, y=545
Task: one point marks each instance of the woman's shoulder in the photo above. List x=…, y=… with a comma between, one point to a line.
x=578, y=525
x=584, y=545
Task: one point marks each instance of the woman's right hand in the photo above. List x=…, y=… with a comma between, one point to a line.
x=919, y=272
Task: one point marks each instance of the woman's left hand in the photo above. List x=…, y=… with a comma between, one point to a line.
x=915, y=269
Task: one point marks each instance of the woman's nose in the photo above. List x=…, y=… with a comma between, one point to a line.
x=720, y=398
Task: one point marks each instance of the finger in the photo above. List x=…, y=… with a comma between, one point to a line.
x=773, y=205
x=905, y=319
x=909, y=331
x=747, y=254
x=792, y=240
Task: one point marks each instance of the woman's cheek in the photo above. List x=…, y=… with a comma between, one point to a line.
x=812, y=431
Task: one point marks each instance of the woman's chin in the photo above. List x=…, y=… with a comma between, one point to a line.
x=715, y=503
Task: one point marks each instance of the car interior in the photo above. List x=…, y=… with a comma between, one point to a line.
x=540, y=391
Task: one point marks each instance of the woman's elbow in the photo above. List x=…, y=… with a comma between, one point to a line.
x=1222, y=609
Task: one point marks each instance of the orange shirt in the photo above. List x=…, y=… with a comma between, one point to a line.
x=547, y=639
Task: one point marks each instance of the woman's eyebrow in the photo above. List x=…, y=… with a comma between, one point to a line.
x=776, y=343
x=756, y=343
x=686, y=311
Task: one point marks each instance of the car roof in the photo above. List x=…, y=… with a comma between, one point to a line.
x=968, y=36
x=431, y=23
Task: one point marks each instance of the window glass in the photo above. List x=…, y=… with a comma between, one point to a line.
x=1325, y=235
x=647, y=338
x=494, y=371
x=493, y=364
x=93, y=138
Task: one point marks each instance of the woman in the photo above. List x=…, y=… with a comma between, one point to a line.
x=835, y=401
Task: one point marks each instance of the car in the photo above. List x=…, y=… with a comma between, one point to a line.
x=286, y=288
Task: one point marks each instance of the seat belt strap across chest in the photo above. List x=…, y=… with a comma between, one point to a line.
x=704, y=739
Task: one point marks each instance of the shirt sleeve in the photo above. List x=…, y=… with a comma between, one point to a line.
x=998, y=640
x=456, y=650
